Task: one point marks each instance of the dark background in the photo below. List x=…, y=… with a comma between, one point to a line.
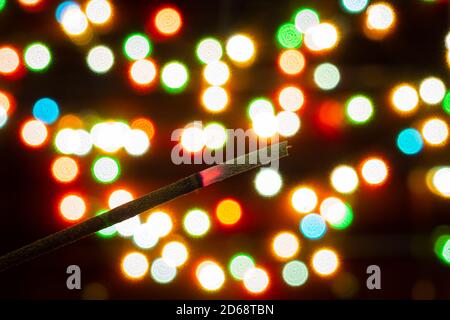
x=393, y=225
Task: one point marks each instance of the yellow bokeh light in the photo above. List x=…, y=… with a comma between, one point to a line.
x=229, y=211
x=380, y=16
x=405, y=98
x=435, y=132
x=344, y=179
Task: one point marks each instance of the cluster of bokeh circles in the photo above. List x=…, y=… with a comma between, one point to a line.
x=319, y=209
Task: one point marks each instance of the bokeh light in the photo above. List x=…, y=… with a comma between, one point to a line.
x=106, y=169
x=64, y=169
x=136, y=142
x=99, y=11
x=209, y=50
x=285, y=245
x=119, y=197
x=432, y=90
x=359, y=109
x=344, y=179
x=175, y=253
x=313, y=226
x=288, y=123
x=260, y=105
x=216, y=73
x=100, y=59
x=3, y=117
x=9, y=60
x=240, y=48
x=404, y=98
x=192, y=139
x=107, y=232
x=268, y=182
x=215, y=135
x=306, y=19
x=37, y=57
x=73, y=21
x=380, y=16
x=135, y=265
x=409, y=141
x=46, y=110
x=295, y=273
x=161, y=222
x=72, y=207
x=265, y=125
x=145, y=125
x=435, y=132
x=196, y=223
x=291, y=98
x=34, y=133
x=143, y=72
x=145, y=236
x=440, y=180
x=354, y=6
x=162, y=272
x=322, y=37
x=289, y=37
x=240, y=264
x=327, y=76
x=228, y=211
x=215, y=99
x=442, y=248
x=168, y=21
x=30, y=3
x=325, y=262
x=2, y=4
x=210, y=275
x=291, y=62
x=137, y=46
x=304, y=200
x=335, y=212
x=374, y=171
x=174, y=76
x=6, y=102
x=256, y=280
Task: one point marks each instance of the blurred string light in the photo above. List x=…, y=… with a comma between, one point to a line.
x=192, y=138
x=256, y=280
x=432, y=90
x=268, y=182
x=168, y=21
x=215, y=99
x=46, y=110
x=210, y=275
x=327, y=76
x=216, y=73
x=438, y=180
x=325, y=262
x=288, y=123
x=240, y=48
x=344, y=179
x=145, y=236
x=435, y=132
x=196, y=223
x=265, y=125
x=322, y=37
x=135, y=265
x=289, y=37
x=72, y=207
x=215, y=135
x=161, y=222
x=107, y=232
x=34, y=133
x=106, y=169
x=64, y=169
x=9, y=60
x=442, y=248
x=137, y=46
x=228, y=212
x=73, y=21
x=359, y=109
x=37, y=57
x=99, y=12
x=409, y=141
x=306, y=19
x=143, y=72
x=304, y=200
x=354, y=6
x=209, y=50
x=404, y=99
x=174, y=76
x=295, y=273
x=291, y=98
x=136, y=142
x=240, y=264
x=162, y=272
x=109, y=136
x=338, y=214
x=260, y=105
x=285, y=245
x=145, y=125
x=2, y=4
x=291, y=62
x=175, y=253
x=100, y=59
x=70, y=141
x=380, y=16
x=374, y=171
x=313, y=226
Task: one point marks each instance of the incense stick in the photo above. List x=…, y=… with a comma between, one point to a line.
x=133, y=208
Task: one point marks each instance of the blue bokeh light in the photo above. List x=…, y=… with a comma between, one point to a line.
x=313, y=226
x=46, y=110
x=409, y=141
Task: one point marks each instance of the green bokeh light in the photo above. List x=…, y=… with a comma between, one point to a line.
x=108, y=232
x=346, y=220
x=2, y=5
x=174, y=77
x=359, y=109
x=137, y=46
x=354, y=6
x=446, y=103
x=442, y=248
x=289, y=37
x=105, y=169
x=209, y=50
x=295, y=273
x=240, y=264
x=37, y=57
x=259, y=105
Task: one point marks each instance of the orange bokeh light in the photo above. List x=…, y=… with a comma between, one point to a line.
x=291, y=62
x=9, y=60
x=65, y=169
x=229, y=211
x=168, y=21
